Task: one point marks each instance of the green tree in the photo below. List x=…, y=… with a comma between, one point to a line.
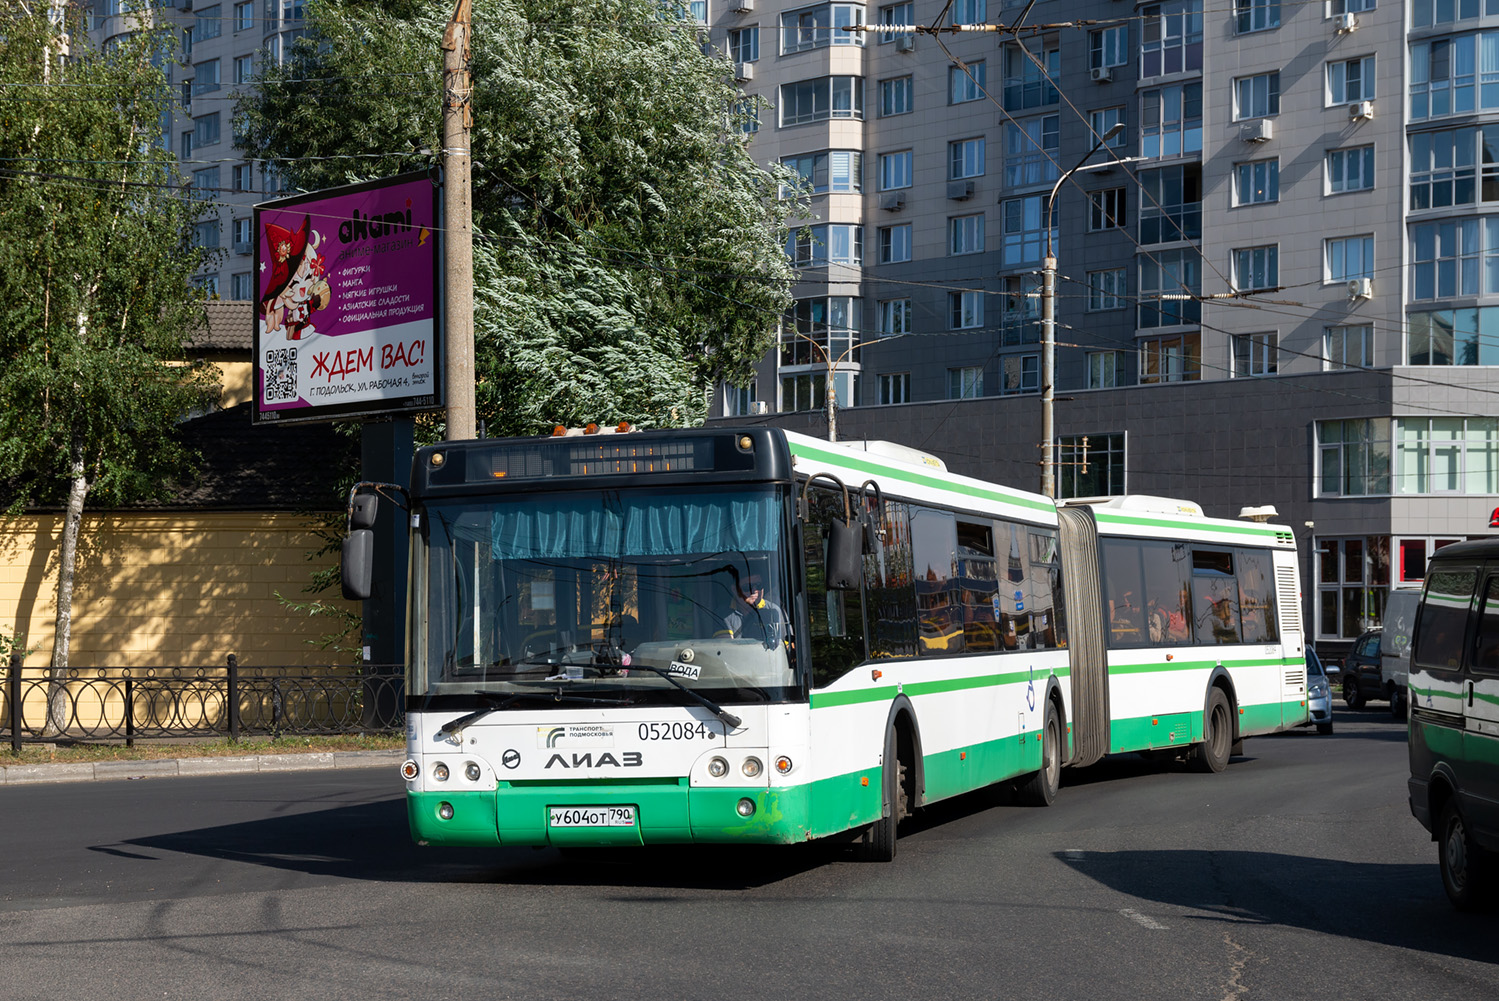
x=630, y=251
x=95, y=281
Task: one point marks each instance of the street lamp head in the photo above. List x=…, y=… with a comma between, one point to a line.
x=1113, y=131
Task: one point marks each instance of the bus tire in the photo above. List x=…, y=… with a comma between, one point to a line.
x=878, y=841
x=1041, y=788
x=1465, y=866
x=1217, y=735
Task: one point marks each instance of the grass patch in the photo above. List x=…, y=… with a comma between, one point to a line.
x=207, y=747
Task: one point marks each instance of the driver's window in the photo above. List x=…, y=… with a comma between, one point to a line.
x=835, y=618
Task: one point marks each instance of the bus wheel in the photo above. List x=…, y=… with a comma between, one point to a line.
x=878, y=841
x=1041, y=788
x=1217, y=736
x=1465, y=866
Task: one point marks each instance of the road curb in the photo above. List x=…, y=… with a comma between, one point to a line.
x=106, y=771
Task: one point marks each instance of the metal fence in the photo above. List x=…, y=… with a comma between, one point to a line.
x=129, y=703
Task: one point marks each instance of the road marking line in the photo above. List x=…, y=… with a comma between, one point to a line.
x=1142, y=920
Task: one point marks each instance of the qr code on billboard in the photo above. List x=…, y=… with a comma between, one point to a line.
x=281, y=375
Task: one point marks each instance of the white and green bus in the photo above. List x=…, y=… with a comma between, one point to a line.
x=748, y=635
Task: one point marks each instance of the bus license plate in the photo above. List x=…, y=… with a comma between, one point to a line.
x=591, y=816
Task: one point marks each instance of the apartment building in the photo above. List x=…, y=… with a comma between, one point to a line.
x=222, y=44
x=1277, y=284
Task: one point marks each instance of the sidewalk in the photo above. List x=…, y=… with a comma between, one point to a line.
x=101, y=771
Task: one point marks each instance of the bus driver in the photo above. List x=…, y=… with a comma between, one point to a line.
x=754, y=616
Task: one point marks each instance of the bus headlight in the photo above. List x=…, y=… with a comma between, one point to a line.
x=746, y=808
x=783, y=764
x=445, y=811
x=440, y=772
x=409, y=770
x=718, y=768
x=471, y=770
x=751, y=767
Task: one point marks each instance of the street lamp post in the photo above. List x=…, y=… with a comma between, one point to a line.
x=1049, y=322
x=830, y=400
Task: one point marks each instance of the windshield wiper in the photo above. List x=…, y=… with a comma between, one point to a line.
x=501, y=702
x=728, y=718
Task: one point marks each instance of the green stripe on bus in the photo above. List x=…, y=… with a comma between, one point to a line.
x=1197, y=524
x=1195, y=665
x=920, y=479
x=885, y=693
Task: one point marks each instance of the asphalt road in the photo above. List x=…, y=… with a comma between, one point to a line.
x=1298, y=873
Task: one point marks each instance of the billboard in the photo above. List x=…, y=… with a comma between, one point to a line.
x=346, y=317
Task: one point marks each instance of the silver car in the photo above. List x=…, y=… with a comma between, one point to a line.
x=1318, y=693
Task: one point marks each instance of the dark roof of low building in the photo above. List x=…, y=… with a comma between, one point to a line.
x=230, y=326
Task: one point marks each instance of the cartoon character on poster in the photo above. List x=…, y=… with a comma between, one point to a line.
x=296, y=287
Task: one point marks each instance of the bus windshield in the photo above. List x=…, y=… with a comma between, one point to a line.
x=603, y=592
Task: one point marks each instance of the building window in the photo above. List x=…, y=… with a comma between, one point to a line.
x=965, y=310
x=1353, y=457
x=965, y=383
x=1171, y=120
x=1024, y=232
x=821, y=99
x=1427, y=14
x=965, y=84
x=1454, y=76
x=1447, y=455
x=1031, y=151
x=1348, y=347
x=240, y=287
x=244, y=19
x=819, y=173
x=206, y=234
x=244, y=234
x=739, y=401
x=815, y=331
x=1254, y=354
x=1453, y=337
x=1353, y=577
x=821, y=26
x=291, y=11
x=1348, y=257
x=1257, y=96
x=1256, y=268
x=1171, y=38
x=895, y=243
x=894, y=316
x=1031, y=74
x=819, y=246
x=898, y=13
x=1103, y=119
x=1352, y=170
x=1351, y=80
x=747, y=112
x=895, y=170
x=1173, y=273
x=1020, y=311
x=806, y=391
x=1171, y=204
x=969, y=12
x=272, y=180
x=1107, y=289
x=1019, y=374
x=205, y=130
x=1257, y=182
x=895, y=388
x=205, y=187
x=1106, y=210
x=185, y=147
x=208, y=285
x=1448, y=257
x=244, y=69
x=895, y=96
x=1444, y=171
x=744, y=44
x=1105, y=369
x=965, y=234
x=697, y=11
x=206, y=77
x=1336, y=7
x=207, y=23
x=1090, y=465
x=1108, y=47
x=1257, y=15
x=1177, y=358
x=965, y=158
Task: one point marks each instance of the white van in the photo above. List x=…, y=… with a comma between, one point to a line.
x=1395, y=646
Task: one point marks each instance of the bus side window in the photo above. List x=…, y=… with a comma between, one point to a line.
x=934, y=546
x=889, y=589
x=835, y=618
x=1124, y=593
x=1486, y=646
x=1257, y=596
x=1216, y=596
x=1044, y=591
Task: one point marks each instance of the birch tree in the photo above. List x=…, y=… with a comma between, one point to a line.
x=96, y=260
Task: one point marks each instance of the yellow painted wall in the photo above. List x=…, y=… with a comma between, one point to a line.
x=166, y=589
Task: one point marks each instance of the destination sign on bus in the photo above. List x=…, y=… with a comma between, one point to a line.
x=588, y=457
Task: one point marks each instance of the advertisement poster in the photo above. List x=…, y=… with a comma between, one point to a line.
x=346, y=309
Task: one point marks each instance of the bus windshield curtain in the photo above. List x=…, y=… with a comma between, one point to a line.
x=612, y=526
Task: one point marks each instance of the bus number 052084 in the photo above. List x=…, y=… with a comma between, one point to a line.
x=675, y=731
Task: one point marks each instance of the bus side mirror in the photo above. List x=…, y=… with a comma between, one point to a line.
x=845, y=555
x=362, y=510
x=357, y=564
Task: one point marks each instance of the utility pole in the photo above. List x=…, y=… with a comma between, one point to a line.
x=457, y=223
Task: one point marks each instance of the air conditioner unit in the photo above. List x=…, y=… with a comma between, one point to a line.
x=742, y=6
x=1102, y=74
x=1344, y=23
x=893, y=201
x=759, y=407
x=1361, y=288
x=905, y=43
x=959, y=190
x=1360, y=111
x=1261, y=130
x=744, y=71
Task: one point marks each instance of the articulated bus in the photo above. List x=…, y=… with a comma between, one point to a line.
x=748, y=635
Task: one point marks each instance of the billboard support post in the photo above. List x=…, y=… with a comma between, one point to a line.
x=457, y=223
